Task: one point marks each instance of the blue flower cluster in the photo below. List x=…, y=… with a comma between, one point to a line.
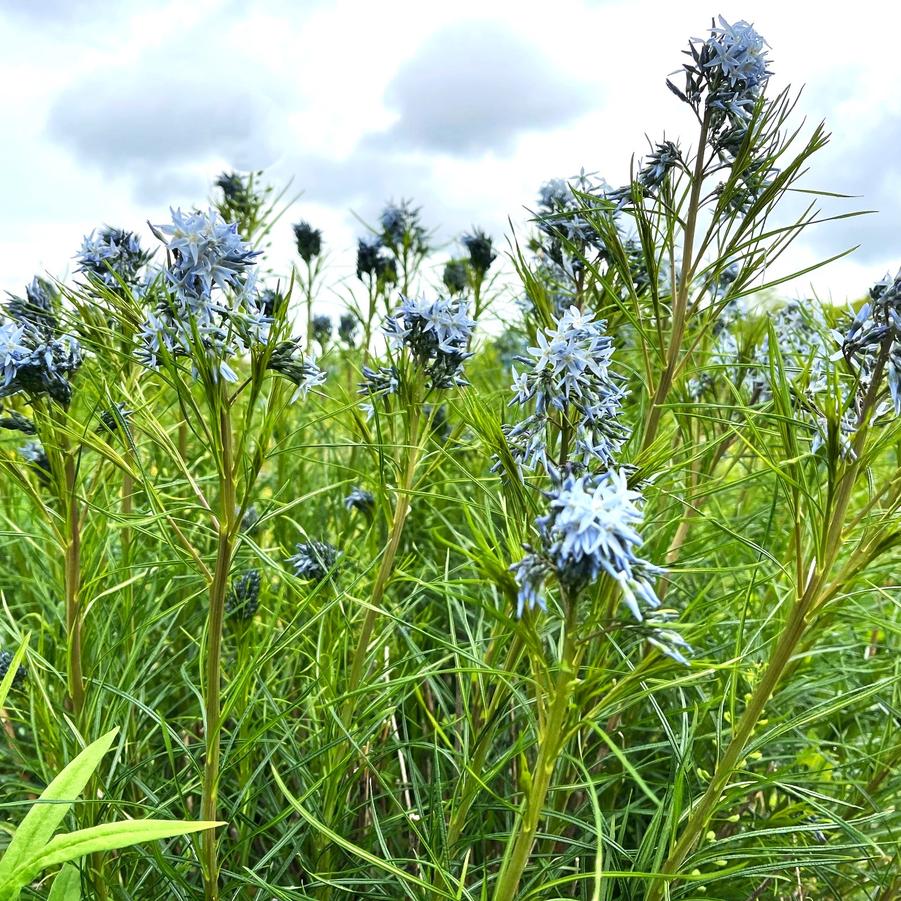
x=308, y=241
x=322, y=328
x=877, y=325
x=314, y=560
x=590, y=527
x=736, y=67
x=361, y=500
x=16, y=422
x=207, y=252
x=727, y=77
x=562, y=205
x=243, y=598
x=374, y=262
x=437, y=333
x=112, y=257
x=455, y=276
x=665, y=156
x=35, y=360
x=402, y=228
x=569, y=381
x=348, y=325
x=481, y=251
x=589, y=530
x=211, y=302
x=34, y=454
x=380, y=382
x=289, y=360
x=6, y=659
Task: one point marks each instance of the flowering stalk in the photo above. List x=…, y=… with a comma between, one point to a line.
x=813, y=594
x=552, y=739
x=680, y=306
x=73, y=586
x=386, y=567
x=227, y=527
x=309, y=247
x=587, y=533
x=38, y=361
x=210, y=314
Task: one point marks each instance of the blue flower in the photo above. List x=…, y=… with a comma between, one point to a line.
x=322, y=328
x=314, y=560
x=878, y=324
x=361, y=500
x=666, y=156
x=589, y=530
x=113, y=257
x=243, y=598
x=207, y=253
x=481, y=253
x=437, y=332
x=727, y=76
x=372, y=261
x=34, y=454
x=212, y=311
x=288, y=360
x=347, y=328
x=232, y=186
x=669, y=643
x=36, y=310
x=456, y=276
x=737, y=55
x=569, y=374
x=381, y=382
x=562, y=207
x=16, y=422
x=34, y=359
x=6, y=659
x=402, y=229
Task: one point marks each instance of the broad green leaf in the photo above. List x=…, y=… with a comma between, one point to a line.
x=54, y=803
x=105, y=837
x=67, y=885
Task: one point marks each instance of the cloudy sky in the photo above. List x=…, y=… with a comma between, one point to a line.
x=112, y=112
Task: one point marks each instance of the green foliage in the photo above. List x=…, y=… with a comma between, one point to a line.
x=34, y=847
x=392, y=729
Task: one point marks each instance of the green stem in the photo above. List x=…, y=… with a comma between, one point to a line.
x=73, y=589
x=552, y=740
x=386, y=566
x=308, y=290
x=808, y=601
x=735, y=750
x=681, y=301
x=370, y=315
x=216, y=618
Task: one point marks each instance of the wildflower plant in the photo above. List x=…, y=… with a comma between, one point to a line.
x=208, y=325
x=603, y=606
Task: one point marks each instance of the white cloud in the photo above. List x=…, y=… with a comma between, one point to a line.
x=117, y=113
